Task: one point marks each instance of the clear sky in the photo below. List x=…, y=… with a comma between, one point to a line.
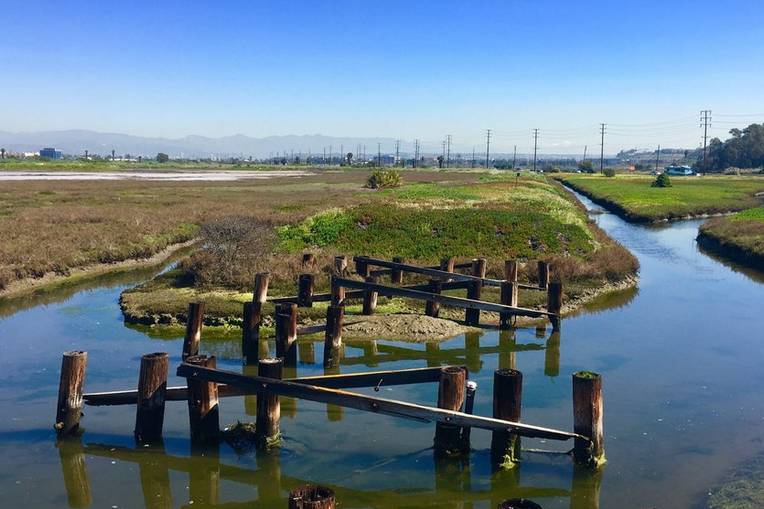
x=386, y=68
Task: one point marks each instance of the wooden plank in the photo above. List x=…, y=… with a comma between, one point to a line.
x=368, y=403
x=441, y=274
x=311, y=329
x=387, y=272
x=342, y=381
x=358, y=294
x=446, y=300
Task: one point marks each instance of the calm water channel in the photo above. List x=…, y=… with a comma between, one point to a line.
x=681, y=359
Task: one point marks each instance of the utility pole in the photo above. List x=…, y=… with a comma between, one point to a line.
x=602, y=148
x=330, y=154
x=443, y=155
x=342, y=152
x=379, y=154
x=416, y=152
x=535, y=146
x=487, y=146
x=705, y=119
x=585, y=147
x=514, y=157
x=657, y=158
x=323, y=159
x=397, y=148
x=448, y=150
x=473, y=157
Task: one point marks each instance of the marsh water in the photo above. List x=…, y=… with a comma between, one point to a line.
x=681, y=359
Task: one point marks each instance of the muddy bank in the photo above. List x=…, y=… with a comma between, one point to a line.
x=52, y=281
x=729, y=250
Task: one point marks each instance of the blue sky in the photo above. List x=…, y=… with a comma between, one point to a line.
x=401, y=69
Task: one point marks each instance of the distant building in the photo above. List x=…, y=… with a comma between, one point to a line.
x=679, y=171
x=50, y=153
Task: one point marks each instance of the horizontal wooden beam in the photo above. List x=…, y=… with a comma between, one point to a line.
x=368, y=403
x=435, y=273
x=342, y=381
x=446, y=300
x=387, y=272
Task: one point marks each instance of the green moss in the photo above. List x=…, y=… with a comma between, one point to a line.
x=589, y=375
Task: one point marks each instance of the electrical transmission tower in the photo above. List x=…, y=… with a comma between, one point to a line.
x=602, y=147
x=705, y=120
x=448, y=150
x=535, y=146
x=397, y=148
x=487, y=146
x=416, y=152
x=473, y=157
x=514, y=157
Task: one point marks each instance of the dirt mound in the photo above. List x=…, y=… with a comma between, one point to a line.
x=417, y=328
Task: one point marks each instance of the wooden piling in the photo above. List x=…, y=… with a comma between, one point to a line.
x=396, y=275
x=310, y=496
x=447, y=264
x=509, y=297
x=69, y=406
x=338, y=292
x=203, y=409
x=587, y=419
x=308, y=261
x=362, y=268
x=370, y=297
x=286, y=332
x=305, y=287
x=340, y=265
x=554, y=302
x=152, y=387
x=250, y=333
x=432, y=308
x=260, y=292
x=507, y=403
x=194, y=320
x=479, y=267
x=451, y=395
x=333, y=335
x=267, y=430
x=543, y=274
x=472, y=316
x=510, y=271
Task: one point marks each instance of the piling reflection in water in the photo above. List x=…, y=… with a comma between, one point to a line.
x=552, y=355
x=75, y=473
x=155, y=480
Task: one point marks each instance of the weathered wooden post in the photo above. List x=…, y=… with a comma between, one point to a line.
x=203, y=409
x=396, y=275
x=308, y=261
x=69, y=406
x=510, y=270
x=509, y=293
x=305, y=286
x=333, y=335
x=338, y=292
x=310, y=496
x=447, y=264
x=432, y=307
x=362, y=267
x=253, y=312
x=194, y=321
x=267, y=430
x=340, y=265
x=507, y=403
x=543, y=270
x=75, y=473
x=370, y=297
x=554, y=302
x=472, y=316
x=451, y=393
x=286, y=332
x=479, y=267
x=587, y=419
x=152, y=387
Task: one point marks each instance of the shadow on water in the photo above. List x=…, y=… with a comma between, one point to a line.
x=753, y=274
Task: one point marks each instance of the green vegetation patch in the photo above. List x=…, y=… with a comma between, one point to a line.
x=634, y=197
x=740, y=236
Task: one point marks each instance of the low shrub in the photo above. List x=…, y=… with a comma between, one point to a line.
x=661, y=180
x=609, y=172
x=384, y=179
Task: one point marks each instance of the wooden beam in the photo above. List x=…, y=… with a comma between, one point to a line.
x=440, y=274
x=368, y=403
x=446, y=300
x=344, y=381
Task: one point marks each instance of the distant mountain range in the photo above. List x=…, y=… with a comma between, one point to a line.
x=75, y=142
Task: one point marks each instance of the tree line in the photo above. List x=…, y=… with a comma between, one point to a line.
x=744, y=149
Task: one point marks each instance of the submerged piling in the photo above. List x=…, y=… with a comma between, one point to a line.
x=554, y=302
x=267, y=430
x=451, y=396
x=152, y=387
x=193, y=336
x=333, y=335
x=587, y=419
x=203, y=409
x=286, y=332
x=507, y=405
x=509, y=292
x=69, y=406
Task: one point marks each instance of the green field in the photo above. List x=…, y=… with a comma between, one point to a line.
x=740, y=236
x=632, y=196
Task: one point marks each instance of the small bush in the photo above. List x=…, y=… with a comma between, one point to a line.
x=609, y=172
x=384, y=179
x=661, y=180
